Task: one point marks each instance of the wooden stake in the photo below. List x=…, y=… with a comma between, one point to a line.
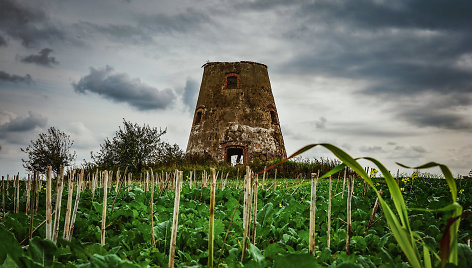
x=153, y=239
x=104, y=208
x=314, y=183
x=38, y=190
x=344, y=182
x=59, y=189
x=76, y=205
x=329, y=213
x=372, y=214
x=48, y=204
x=173, y=238
x=275, y=181
x=254, y=213
x=94, y=184
x=263, y=178
x=28, y=190
x=350, y=184
x=118, y=180
x=211, y=228
x=16, y=181
x=190, y=181
x=35, y=176
x=70, y=191
x=3, y=196
x=246, y=209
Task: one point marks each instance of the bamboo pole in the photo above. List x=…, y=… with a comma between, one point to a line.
x=48, y=204
x=70, y=191
x=59, y=190
x=153, y=239
x=329, y=213
x=173, y=238
x=17, y=206
x=350, y=184
x=211, y=228
x=314, y=183
x=104, y=208
x=76, y=205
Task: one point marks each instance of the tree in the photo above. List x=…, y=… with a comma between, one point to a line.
x=136, y=147
x=50, y=149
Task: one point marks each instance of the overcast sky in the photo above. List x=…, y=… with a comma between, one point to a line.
x=387, y=79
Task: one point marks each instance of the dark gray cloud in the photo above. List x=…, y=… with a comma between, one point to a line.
x=42, y=58
x=117, y=32
x=24, y=123
x=30, y=26
x=144, y=27
x=190, y=95
x=184, y=22
x=3, y=42
x=119, y=87
x=13, y=129
x=401, y=49
x=434, y=117
x=434, y=14
x=15, y=78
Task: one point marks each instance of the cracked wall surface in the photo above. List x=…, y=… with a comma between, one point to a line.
x=236, y=109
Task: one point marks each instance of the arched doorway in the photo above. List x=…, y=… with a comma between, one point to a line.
x=235, y=154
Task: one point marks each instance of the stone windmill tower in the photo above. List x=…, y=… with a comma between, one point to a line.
x=235, y=118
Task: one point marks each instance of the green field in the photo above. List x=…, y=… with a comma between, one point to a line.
x=282, y=226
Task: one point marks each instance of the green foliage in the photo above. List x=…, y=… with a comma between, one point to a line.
x=281, y=234
x=136, y=147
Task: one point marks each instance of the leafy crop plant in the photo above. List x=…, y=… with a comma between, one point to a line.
x=397, y=220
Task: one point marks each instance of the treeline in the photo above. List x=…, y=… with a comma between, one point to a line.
x=136, y=149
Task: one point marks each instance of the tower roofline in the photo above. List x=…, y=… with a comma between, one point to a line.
x=231, y=62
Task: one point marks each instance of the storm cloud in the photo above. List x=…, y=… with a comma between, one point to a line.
x=121, y=88
x=400, y=49
x=15, y=78
x=3, y=42
x=42, y=58
x=144, y=27
x=30, y=26
x=13, y=125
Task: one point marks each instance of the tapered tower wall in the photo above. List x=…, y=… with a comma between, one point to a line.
x=236, y=114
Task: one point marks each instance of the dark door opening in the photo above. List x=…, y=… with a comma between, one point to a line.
x=235, y=155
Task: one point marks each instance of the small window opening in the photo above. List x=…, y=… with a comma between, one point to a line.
x=273, y=117
x=235, y=156
x=198, y=117
x=232, y=82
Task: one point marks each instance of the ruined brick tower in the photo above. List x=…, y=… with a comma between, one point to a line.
x=235, y=118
